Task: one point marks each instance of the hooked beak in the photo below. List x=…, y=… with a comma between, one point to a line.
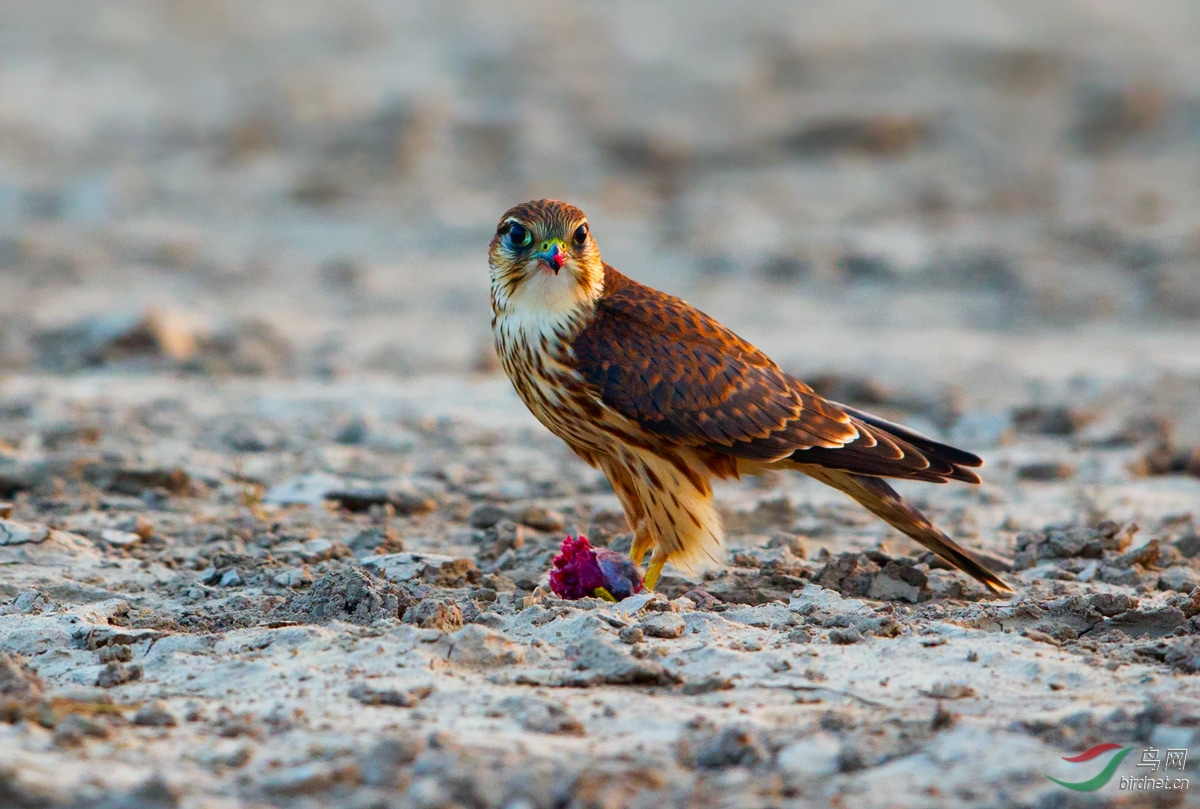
x=553, y=254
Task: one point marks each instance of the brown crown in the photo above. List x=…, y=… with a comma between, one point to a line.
x=555, y=216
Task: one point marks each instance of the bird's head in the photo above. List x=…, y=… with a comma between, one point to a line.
x=543, y=259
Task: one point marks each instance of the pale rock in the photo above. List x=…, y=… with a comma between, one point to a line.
x=306, y=490
x=764, y=615
x=293, y=577
x=813, y=757
x=542, y=519
x=662, y=625
x=636, y=603
x=120, y=539
x=814, y=596
x=889, y=588
x=405, y=566
x=18, y=533
x=476, y=645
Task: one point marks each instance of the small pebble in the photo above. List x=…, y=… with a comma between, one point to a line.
x=121, y=539
x=115, y=652
x=1045, y=420
x=942, y=719
x=632, y=634
x=1179, y=578
x=16, y=533
x=76, y=727
x=28, y=602
x=484, y=595
x=155, y=714
x=844, y=636
x=143, y=527
x=115, y=674
x=486, y=515
x=662, y=625
x=352, y=432
x=542, y=519
x=942, y=690
x=293, y=577
x=1043, y=471
x=395, y=697
x=1040, y=637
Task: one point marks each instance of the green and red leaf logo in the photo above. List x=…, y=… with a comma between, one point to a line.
x=1101, y=778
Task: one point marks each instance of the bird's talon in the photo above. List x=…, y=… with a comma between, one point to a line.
x=602, y=592
x=652, y=573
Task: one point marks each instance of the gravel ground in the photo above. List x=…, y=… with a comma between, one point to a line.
x=274, y=530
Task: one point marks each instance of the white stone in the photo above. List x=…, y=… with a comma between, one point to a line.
x=818, y=596
x=405, y=566
x=812, y=757
x=634, y=604
x=306, y=490
x=19, y=533
x=292, y=577
x=476, y=645
x=119, y=538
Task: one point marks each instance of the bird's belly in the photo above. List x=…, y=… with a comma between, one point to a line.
x=554, y=393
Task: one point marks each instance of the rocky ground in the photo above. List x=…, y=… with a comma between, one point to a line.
x=282, y=594
x=274, y=530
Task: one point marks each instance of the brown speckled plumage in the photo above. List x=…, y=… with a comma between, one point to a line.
x=663, y=398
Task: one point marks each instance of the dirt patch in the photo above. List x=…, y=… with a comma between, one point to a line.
x=347, y=595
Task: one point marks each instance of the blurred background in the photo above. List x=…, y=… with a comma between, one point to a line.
x=961, y=190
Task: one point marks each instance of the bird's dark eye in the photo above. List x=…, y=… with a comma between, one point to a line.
x=519, y=236
x=581, y=233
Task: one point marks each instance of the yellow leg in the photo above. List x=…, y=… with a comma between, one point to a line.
x=656, y=565
x=643, y=541
x=603, y=594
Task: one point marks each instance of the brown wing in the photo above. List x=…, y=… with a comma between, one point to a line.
x=686, y=378
x=890, y=450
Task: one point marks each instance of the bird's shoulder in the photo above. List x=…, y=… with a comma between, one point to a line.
x=636, y=316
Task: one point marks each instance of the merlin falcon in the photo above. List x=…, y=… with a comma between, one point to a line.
x=663, y=399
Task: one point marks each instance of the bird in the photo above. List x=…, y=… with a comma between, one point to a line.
x=664, y=400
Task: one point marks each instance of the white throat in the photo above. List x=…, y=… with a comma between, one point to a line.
x=543, y=305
